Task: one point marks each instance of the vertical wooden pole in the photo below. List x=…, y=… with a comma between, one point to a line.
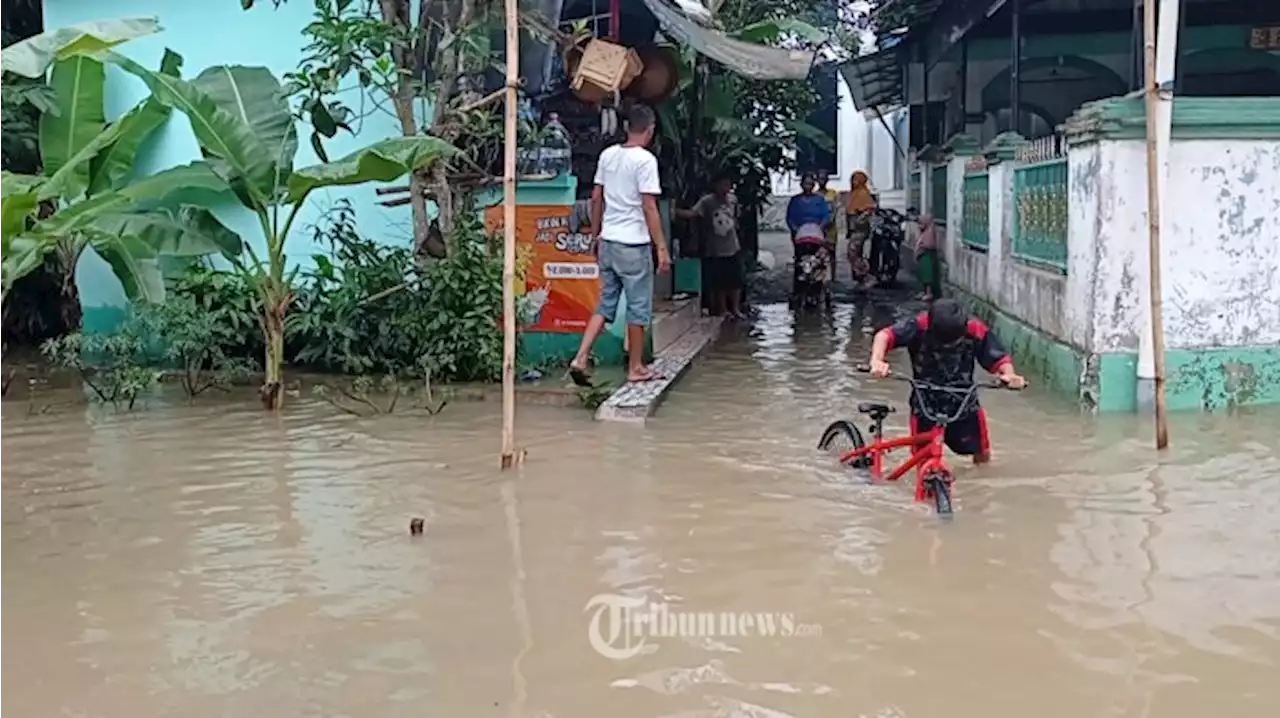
x=1015, y=71
x=509, y=242
x=1153, y=219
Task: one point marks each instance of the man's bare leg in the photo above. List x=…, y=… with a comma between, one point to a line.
x=982, y=457
x=595, y=325
x=733, y=303
x=636, y=370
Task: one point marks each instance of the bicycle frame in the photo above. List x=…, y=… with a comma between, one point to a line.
x=926, y=454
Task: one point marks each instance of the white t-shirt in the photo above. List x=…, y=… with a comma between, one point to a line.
x=626, y=174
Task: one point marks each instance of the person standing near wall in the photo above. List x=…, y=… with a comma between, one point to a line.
x=833, y=202
x=624, y=205
x=858, y=210
x=718, y=212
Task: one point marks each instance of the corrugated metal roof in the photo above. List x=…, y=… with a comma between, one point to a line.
x=875, y=80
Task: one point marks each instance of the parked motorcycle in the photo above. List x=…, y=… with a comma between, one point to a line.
x=811, y=285
x=886, y=245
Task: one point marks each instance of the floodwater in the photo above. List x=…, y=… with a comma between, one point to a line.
x=213, y=561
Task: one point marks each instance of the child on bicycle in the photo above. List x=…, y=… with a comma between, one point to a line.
x=944, y=344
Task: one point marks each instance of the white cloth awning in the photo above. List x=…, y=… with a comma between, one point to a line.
x=758, y=62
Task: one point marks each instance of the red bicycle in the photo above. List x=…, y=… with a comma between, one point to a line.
x=933, y=476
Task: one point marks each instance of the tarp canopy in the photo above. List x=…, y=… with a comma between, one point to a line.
x=758, y=62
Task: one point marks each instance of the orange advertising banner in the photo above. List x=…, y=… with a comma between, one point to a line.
x=561, y=287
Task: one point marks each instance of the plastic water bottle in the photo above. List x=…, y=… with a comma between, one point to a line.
x=557, y=149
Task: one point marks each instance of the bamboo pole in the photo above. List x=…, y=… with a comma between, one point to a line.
x=1153, y=218
x=509, y=242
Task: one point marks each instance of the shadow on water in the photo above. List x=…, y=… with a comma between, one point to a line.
x=210, y=560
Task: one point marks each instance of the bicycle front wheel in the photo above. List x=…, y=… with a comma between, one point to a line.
x=938, y=484
x=840, y=438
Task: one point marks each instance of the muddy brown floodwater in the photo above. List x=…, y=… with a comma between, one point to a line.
x=213, y=561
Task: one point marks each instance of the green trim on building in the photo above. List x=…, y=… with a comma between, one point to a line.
x=1038, y=356
x=1194, y=118
x=1200, y=379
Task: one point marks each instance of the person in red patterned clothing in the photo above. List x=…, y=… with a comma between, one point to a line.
x=945, y=342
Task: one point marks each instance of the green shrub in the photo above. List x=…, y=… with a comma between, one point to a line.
x=370, y=309
x=113, y=366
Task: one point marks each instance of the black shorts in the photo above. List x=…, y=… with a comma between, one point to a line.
x=967, y=436
x=723, y=273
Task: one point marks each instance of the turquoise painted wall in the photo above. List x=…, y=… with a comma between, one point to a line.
x=218, y=32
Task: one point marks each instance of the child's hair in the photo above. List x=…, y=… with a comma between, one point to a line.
x=948, y=321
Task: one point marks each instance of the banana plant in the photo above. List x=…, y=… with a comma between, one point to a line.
x=85, y=196
x=243, y=124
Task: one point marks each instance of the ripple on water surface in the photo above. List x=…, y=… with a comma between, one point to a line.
x=210, y=560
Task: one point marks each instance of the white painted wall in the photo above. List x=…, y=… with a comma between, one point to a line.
x=1221, y=252
x=1220, y=260
x=862, y=143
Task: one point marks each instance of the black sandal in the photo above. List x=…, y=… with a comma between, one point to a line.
x=580, y=377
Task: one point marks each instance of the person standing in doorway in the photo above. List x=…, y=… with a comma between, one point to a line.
x=624, y=205
x=718, y=210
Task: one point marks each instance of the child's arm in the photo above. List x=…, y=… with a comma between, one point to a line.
x=699, y=209
x=902, y=333
x=992, y=356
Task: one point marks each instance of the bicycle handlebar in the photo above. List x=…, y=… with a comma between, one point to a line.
x=866, y=369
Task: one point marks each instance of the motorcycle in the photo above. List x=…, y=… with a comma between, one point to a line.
x=811, y=285
x=886, y=245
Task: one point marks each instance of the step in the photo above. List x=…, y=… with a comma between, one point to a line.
x=635, y=402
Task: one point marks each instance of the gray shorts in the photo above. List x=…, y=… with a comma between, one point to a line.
x=626, y=268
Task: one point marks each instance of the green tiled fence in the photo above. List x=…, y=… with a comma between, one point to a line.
x=938, y=193
x=976, y=204
x=1040, y=214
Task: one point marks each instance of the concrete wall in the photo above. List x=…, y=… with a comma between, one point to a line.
x=1220, y=260
x=1221, y=253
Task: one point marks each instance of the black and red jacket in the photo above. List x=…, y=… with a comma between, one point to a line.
x=949, y=366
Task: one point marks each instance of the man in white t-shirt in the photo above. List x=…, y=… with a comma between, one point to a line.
x=624, y=206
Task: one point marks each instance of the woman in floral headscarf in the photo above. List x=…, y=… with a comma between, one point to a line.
x=858, y=211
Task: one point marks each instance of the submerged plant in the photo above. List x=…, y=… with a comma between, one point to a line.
x=113, y=366
x=195, y=343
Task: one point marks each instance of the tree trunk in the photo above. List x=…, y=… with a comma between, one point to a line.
x=272, y=391
x=395, y=13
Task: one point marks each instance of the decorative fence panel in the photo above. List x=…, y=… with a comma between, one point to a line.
x=938, y=193
x=976, y=207
x=1040, y=199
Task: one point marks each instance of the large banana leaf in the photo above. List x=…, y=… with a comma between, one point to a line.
x=220, y=132
x=188, y=231
x=165, y=184
x=380, y=162
x=32, y=57
x=22, y=255
x=79, y=83
x=108, y=157
x=110, y=169
x=17, y=205
x=256, y=98
x=133, y=242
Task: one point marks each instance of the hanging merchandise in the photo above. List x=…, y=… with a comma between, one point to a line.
x=556, y=153
x=605, y=67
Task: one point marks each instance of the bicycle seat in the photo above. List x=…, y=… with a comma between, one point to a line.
x=867, y=407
